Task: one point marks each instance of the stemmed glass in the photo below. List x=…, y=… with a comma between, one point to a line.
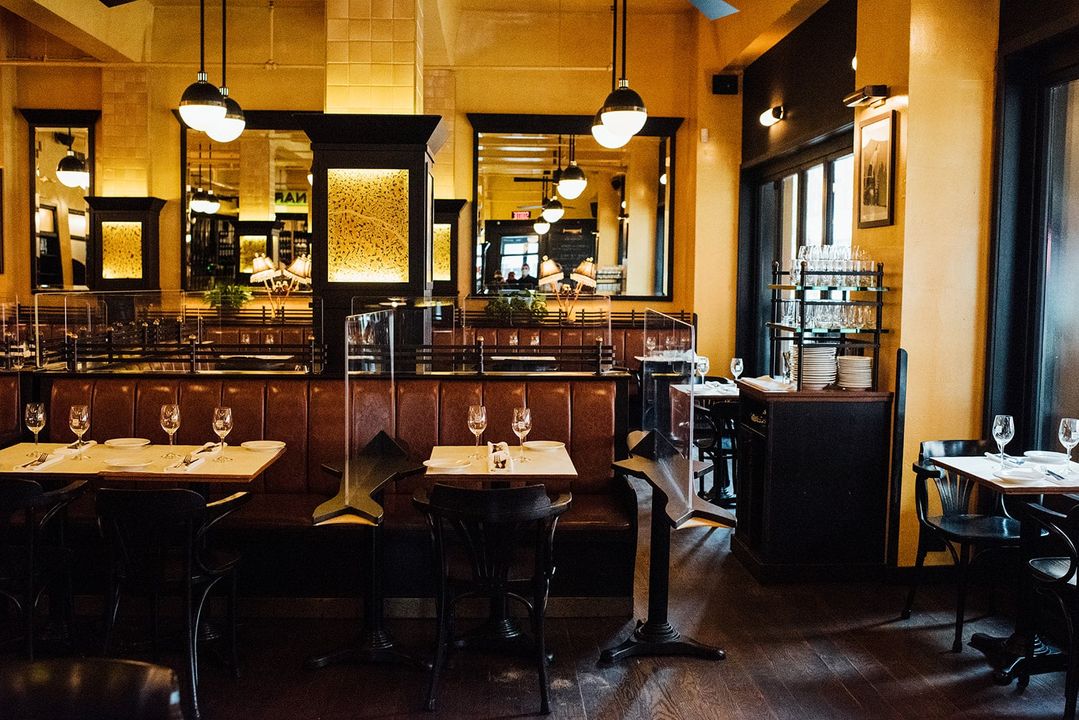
x=78, y=420
x=522, y=425
x=34, y=415
x=702, y=366
x=736, y=367
x=1068, y=434
x=1003, y=432
x=222, y=424
x=170, y=423
x=477, y=423
x=650, y=345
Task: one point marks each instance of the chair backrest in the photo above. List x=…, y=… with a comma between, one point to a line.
x=955, y=491
x=89, y=688
x=144, y=527
x=19, y=494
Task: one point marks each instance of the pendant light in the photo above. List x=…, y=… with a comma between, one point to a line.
x=542, y=225
x=201, y=105
x=553, y=210
x=71, y=171
x=199, y=199
x=232, y=125
x=624, y=111
x=212, y=204
x=605, y=135
x=573, y=180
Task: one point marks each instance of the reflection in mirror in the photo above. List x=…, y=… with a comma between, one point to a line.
x=61, y=179
x=621, y=218
x=245, y=197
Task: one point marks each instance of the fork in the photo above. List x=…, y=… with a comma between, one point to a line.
x=36, y=461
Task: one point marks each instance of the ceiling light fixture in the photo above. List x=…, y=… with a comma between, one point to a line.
x=541, y=226
x=624, y=110
x=231, y=126
x=573, y=180
x=71, y=171
x=212, y=204
x=553, y=210
x=869, y=95
x=201, y=105
x=604, y=134
x=772, y=115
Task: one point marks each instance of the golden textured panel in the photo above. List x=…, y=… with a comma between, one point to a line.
x=121, y=250
x=250, y=245
x=367, y=228
x=443, y=235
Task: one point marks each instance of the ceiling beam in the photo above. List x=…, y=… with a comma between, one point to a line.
x=119, y=34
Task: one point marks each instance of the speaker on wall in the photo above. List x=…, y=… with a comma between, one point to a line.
x=724, y=84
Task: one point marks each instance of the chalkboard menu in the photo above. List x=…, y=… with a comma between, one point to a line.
x=570, y=242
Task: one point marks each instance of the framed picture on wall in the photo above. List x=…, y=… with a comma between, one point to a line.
x=876, y=171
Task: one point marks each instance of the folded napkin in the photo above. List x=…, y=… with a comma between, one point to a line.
x=32, y=467
x=185, y=466
x=498, y=457
x=72, y=450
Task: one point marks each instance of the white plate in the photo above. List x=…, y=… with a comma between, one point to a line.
x=262, y=445
x=127, y=443
x=1020, y=473
x=122, y=464
x=447, y=464
x=1046, y=457
x=544, y=445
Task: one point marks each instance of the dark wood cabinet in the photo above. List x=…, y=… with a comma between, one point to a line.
x=813, y=492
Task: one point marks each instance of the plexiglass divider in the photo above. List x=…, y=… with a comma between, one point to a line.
x=370, y=384
x=667, y=387
x=16, y=335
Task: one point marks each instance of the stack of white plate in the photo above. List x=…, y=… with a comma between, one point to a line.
x=855, y=372
x=817, y=366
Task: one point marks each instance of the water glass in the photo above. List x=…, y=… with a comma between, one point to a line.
x=170, y=423
x=736, y=367
x=34, y=415
x=650, y=344
x=702, y=365
x=477, y=423
x=78, y=419
x=522, y=425
x=222, y=425
x=1003, y=432
x=1068, y=434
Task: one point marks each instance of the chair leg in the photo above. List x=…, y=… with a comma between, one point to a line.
x=442, y=641
x=232, y=627
x=961, y=596
x=112, y=607
x=1071, y=680
x=916, y=580
x=538, y=611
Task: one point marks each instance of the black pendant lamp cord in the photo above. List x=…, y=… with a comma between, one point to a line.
x=614, y=43
x=624, y=14
x=223, y=44
x=202, y=36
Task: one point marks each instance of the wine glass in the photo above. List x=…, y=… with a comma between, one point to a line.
x=1068, y=434
x=78, y=420
x=522, y=425
x=702, y=366
x=650, y=345
x=222, y=424
x=477, y=423
x=736, y=367
x=170, y=423
x=1003, y=432
x=34, y=415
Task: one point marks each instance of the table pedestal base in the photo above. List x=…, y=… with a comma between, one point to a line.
x=659, y=639
x=373, y=646
x=1012, y=660
x=500, y=633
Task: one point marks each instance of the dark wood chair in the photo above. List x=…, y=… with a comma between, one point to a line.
x=157, y=542
x=89, y=688
x=495, y=528
x=716, y=438
x=1055, y=576
x=33, y=555
x=959, y=523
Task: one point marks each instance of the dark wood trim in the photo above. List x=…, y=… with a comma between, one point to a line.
x=895, y=490
x=449, y=212
x=564, y=124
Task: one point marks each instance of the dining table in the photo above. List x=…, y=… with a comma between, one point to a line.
x=1023, y=652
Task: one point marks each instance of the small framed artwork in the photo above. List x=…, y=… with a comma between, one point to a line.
x=876, y=171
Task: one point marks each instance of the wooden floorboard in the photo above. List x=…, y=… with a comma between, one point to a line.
x=827, y=651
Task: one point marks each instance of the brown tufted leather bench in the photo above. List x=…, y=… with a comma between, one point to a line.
x=597, y=536
x=10, y=408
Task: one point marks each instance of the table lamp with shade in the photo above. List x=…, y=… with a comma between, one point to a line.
x=550, y=278
x=280, y=281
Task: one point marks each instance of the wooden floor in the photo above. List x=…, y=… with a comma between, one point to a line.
x=798, y=651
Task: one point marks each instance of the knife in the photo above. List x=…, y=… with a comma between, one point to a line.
x=1055, y=474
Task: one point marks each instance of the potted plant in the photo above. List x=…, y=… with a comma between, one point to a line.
x=227, y=297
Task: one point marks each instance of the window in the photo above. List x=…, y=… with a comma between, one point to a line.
x=518, y=250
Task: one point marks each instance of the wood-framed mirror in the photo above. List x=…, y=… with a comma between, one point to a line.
x=61, y=176
x=623, y=218
x=260, y=183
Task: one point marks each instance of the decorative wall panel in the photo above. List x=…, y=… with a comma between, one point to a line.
x=441, y=258
x=367, y=228
x=250, y=245
x=121, y=250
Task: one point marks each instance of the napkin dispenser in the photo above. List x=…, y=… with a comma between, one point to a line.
x=498, y=457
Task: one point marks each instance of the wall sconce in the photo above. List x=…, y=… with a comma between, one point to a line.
x=771, y=116
x=871, y=95
x=551, y=275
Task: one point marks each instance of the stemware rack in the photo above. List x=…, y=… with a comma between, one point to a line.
x=841, y=289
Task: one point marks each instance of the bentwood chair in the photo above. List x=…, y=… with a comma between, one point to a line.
x=717, y=440
x=959, y=523
x=495, y=529
x=33, y=556
x=1056, y=577
x=89, y=688
x=158, y=545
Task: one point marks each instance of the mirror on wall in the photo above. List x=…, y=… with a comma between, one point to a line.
x=245, y=198
x=622, y=218
x=61, y=155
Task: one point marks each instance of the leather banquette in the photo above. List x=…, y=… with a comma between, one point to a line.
x=309, y=415
x=10, y=408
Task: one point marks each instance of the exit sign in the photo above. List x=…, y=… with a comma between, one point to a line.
x=521, y=215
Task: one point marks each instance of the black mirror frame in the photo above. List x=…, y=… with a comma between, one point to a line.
x=662, y=127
